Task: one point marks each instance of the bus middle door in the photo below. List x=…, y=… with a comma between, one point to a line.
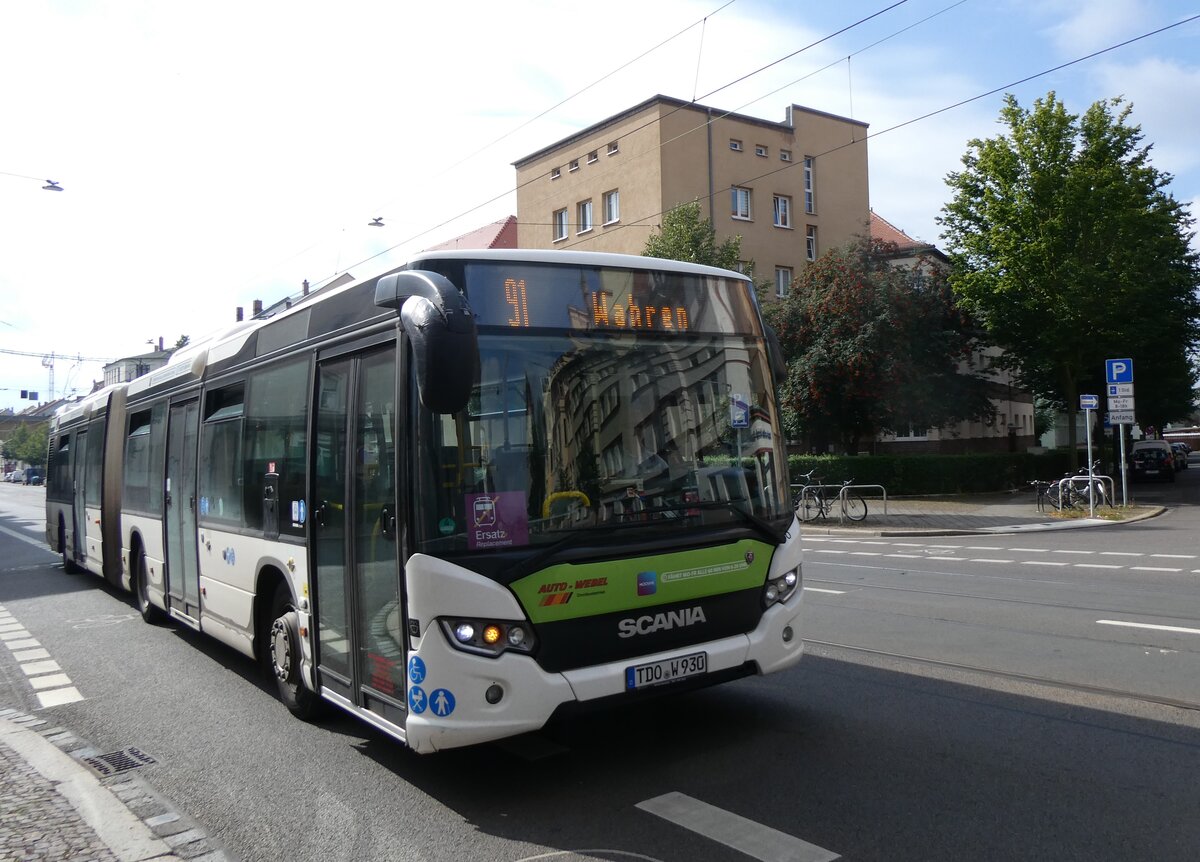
x=360, y=617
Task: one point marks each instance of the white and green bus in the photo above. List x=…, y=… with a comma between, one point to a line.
x=462, y=497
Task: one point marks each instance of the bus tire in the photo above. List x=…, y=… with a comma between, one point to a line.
x=284, y=654
x=68, y=564
x=150, y=612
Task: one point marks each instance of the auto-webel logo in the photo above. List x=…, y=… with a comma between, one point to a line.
x=651, y=623
x=647, y=583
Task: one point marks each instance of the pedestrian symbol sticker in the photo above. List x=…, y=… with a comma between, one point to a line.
x=416, y=670
x=441, y=701
x=416, y=699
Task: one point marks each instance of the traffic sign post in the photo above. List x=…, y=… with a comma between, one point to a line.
x=1088, y=404
x=1118, y=374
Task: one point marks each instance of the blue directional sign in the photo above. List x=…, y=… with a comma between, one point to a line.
x=1118, y=370
x=1089, y=402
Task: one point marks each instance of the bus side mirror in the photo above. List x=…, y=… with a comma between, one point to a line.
x=779, y=369
x=441, y=329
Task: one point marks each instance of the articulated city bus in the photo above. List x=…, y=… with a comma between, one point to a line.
x=459, y=498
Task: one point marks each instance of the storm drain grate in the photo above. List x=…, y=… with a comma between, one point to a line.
x=119, y=761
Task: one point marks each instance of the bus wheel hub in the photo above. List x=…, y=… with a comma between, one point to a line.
x=281, y=649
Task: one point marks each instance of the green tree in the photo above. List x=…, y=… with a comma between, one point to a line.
x=871, y=348
x=183, y=341
x=1069, y=249
x=685, y=235
x=28, y=443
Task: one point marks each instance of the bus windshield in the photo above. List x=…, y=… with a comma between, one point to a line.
x=567, y=432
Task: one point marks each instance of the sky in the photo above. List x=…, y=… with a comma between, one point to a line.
x=213, y=154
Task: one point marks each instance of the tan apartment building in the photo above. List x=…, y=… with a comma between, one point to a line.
x=790, y=189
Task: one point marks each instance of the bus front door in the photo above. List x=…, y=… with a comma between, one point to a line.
x=183, y=573
x=360, y=616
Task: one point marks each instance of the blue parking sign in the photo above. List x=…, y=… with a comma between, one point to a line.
x=1118, y=370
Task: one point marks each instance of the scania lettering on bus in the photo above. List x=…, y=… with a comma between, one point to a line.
x=649, y=624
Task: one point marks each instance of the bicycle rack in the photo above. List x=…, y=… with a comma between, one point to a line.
x=882, y=492
x=1083, y=478
x=840, y=496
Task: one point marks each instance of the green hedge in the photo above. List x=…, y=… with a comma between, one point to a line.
x=934, y=474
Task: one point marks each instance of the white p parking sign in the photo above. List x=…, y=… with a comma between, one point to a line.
x=1118, y=370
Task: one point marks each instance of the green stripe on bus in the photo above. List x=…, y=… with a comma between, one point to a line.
x=571, y=590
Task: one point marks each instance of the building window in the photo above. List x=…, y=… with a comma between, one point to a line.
x=783, y=281
x=584, y=211
x=740, y=203
x=593, y=157
x=560, y=224
x=783, y=211
x=735, y=145
x=574, y=165
x=911, y=432
x=555, y=173
x=785, y=155
x=614, y=148
x=612, y=206
x=810, y=242
x=809, y=206
x=760, y=150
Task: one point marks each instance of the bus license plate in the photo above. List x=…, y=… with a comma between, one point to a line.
x=666, y=670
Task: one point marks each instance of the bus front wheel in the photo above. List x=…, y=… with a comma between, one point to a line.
x=284, y=657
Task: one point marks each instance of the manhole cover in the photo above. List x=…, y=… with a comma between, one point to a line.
x=119, y=761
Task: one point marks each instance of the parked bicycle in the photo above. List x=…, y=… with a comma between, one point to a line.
x=1076, y=489
x=813, y=501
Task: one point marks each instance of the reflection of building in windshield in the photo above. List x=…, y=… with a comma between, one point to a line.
x=651, y=420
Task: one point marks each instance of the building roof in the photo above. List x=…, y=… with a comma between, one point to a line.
x=498, y=234
x=678, y=104
x=906, y=246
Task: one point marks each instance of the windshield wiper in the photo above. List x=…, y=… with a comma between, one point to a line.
x=763, y=527
x=572, y=539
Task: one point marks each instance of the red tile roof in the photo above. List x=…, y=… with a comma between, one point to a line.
x=499, y=234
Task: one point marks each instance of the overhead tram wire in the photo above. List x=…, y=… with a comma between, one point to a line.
x=532, y=180
x=944, y=109
x=507, y=134
x=564, y=101
x=64, y=356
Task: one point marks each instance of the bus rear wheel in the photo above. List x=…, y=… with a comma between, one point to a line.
x=150, y=612
x=68, y=564
x=284, y=655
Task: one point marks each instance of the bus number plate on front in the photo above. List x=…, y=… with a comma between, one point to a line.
x=666, y=670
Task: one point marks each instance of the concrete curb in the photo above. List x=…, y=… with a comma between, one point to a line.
x=1032, y=527
x=108, y=806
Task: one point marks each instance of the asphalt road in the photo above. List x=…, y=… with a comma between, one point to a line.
x=950, y=707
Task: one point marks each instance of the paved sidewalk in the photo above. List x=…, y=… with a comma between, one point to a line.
x=962, y=515
x=53, y=806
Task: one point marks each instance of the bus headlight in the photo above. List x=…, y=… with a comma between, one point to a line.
x=488, y=637
x=782, y=588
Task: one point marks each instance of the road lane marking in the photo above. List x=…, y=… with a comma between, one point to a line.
x=983, y=548
x=1031, y=550
x=983, y=560
x=746, y=836
x=1042, y=563
x=1175, y=556
x=1152, y=569
x=866, y=554
x=828, y=551
x=1074, y=552
x=53, y=687
x=907, y=556
x=1098, y=566
x=1149, y=626
x=1120, y=554
x=819, y=590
